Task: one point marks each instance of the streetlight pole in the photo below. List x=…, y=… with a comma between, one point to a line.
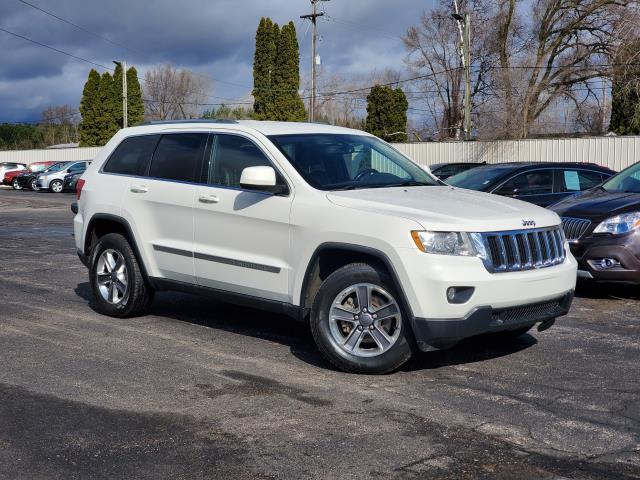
x=125, y=120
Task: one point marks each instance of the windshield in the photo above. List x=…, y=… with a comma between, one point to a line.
x=627, y=180
x=477, y=178
x=345, y=162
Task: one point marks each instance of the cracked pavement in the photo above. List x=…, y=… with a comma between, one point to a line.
x=200, y=389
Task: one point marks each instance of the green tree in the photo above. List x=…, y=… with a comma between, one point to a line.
x=115, y=97
x=106, y=119
x=135, y=106
x=264, y=62
x=625, y=91
x=288, y=104
x=387, y=113
x=89, y=109
x=224, y=112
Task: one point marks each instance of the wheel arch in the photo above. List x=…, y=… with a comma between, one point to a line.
x=329, y=257
x=101, y=224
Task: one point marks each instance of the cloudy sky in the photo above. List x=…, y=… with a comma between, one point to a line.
x=212, y=37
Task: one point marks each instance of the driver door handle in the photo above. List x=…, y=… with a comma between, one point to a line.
x=208, y=199
x=139, y=189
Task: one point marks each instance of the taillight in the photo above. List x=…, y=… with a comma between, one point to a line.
x=79, y=185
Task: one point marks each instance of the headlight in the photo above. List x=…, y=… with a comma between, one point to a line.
x=619, y=224
x=448, y=243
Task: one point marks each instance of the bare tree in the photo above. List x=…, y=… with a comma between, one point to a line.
x=59, y=124
x=433, y=49
x=170, y=93
x=566, y=44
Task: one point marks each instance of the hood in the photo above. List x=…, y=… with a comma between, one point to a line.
x=447, y=208
x=597, y=204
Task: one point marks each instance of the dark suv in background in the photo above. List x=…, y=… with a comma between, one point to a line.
x=602, y=226
x=540, y=183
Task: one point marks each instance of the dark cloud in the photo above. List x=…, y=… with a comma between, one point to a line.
x=213, y=37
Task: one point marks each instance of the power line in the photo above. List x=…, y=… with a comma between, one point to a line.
x=97, y=35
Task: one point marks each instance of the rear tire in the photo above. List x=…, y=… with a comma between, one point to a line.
x=358, y=322
x=15, y=185
x=116, y=279
x=55, y=186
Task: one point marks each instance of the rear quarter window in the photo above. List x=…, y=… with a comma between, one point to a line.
x=132, y=155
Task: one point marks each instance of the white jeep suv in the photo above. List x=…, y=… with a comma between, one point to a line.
x=326, y=224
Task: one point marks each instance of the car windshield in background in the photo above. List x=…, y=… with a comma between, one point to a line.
x=477, y=178
x=345, y=162
x=626, y=181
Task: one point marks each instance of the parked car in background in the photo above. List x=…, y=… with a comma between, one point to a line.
x=10, y=177
x=53, y=178
x=30, y=179
x=11, y=166
x=602, y=226
x=542, y=183
x=446, y=170
x=70, y=181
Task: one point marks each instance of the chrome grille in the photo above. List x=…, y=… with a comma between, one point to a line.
x=574, y=228
x=519, y=250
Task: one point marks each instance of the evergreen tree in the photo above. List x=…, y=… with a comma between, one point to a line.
x=263, y=67
x=387, y=113
x=89, y=108
x=135, y=105
x=288, y=105
x=625, y=91
x=115, y=98
x=106, y=121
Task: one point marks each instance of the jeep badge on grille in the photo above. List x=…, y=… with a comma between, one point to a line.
x=528, y=223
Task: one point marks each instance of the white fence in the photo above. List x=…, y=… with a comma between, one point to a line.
x=613, y=152
x=49, y=155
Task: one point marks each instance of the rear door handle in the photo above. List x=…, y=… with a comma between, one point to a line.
x=208, y=199
x=139, y=189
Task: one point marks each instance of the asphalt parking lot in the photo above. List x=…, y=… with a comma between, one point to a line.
x=199, y=389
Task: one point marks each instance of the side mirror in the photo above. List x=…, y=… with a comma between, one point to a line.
x=260, y=178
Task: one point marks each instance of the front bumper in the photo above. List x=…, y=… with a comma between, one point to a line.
x=433, y=333
x=624, y=249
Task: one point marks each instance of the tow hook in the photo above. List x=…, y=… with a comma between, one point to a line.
x=546, y=324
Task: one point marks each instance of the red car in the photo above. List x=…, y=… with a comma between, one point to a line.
x=35, y=167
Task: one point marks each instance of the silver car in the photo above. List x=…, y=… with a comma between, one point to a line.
x=53, y=180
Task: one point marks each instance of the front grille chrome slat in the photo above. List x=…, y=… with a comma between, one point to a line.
x=520, y=250
x=575, y=228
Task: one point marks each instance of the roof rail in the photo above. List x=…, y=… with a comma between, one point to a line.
x=195, y=120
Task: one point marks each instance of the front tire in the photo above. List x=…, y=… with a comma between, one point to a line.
x=56, y=186
x=117, y=283
x=15, y=184
x=358, y=322
x=33, y=185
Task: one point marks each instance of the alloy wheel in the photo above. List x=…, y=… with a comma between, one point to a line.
x=112, y=277
x=365, y=320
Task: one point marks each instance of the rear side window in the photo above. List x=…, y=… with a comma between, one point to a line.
x=577, y=180
x=132, y=155
x=178, y=157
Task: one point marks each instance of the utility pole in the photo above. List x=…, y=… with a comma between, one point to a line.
x=464, y=27
x=125, y=102
x=467, y=77
x=313, y=17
